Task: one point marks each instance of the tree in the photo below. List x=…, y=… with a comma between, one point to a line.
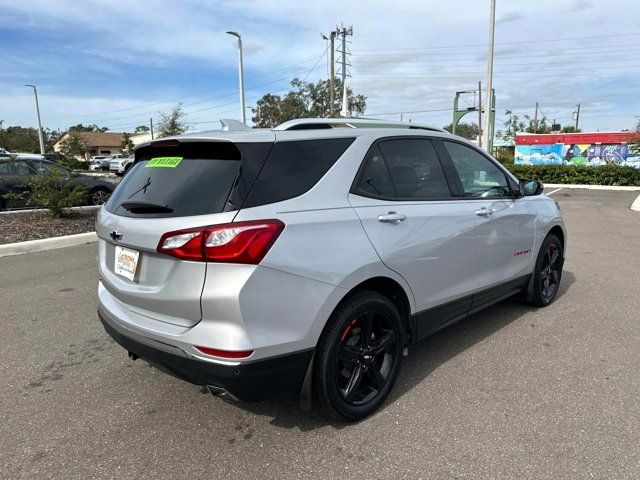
x=126, y=145
x=469, y=131
x=569, y=129
x=141, y=129
x=71, y=148
x=305, y=100
x=172, y=123
x=25, y=139
x=514, y=125
x=87, y=128
x=636, y=138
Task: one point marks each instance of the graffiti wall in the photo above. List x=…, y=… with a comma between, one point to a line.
x=566, y=152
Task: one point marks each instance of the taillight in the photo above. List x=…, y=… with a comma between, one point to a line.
x=241, y=242
x=225, y=353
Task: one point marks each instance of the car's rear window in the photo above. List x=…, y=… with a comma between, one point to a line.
x=294, y=167
x=177, y=182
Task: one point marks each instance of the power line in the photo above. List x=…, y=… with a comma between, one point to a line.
x=156, y=103
x=509, y=54
x=428, y=74
x=500, y=55
x=193, y=120
x=536, y=41
x=520, y=16
x=315, y=64
x=403, y=112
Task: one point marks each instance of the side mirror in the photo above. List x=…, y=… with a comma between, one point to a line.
x=530, y=187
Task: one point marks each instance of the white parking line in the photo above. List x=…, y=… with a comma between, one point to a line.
x=556, y=190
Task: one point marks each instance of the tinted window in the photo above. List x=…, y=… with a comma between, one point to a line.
x=193, y=179
x=415, y=169
x=406, y=169
x=4, y=167
x=295, y=167
x=19, y=168
x=375, y=179
x=45, y=167
x=479, y=176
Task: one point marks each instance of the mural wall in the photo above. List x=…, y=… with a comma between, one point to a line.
x=579, y=153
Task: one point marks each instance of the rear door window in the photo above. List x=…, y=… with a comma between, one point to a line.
x=294, y=167
x=177, y=182
x=415, y=169
x=402, y=169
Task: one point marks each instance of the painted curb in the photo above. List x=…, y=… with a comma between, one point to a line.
x=47, y=244
x=592, y=187
x=635, y=206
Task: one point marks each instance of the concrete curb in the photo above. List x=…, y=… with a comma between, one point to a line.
x=47, y=244
x=27, y=210
x=593, y=187
x=635, y=206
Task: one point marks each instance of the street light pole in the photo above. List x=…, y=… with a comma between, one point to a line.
x=489, y=95
x=40, y=136
x=243, y=110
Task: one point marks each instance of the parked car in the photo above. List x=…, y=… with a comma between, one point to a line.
x=309, y=259
x=14, y=172
x=120, y=165
x=100, y=162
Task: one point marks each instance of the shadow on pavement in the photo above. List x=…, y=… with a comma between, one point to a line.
x=424, y=357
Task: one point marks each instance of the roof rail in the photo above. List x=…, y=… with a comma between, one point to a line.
x=359, y=122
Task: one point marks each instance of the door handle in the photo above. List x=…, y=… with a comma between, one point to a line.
x=392, y=217
x=485, y=212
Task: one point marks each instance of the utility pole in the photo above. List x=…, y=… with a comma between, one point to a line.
x=344, y=32
x=480, y=113
x=535, y=120
x=332, y=37
x=243, y=110
x=40, y=135
x=577, y=114
x=151, y=126
x=489, y=96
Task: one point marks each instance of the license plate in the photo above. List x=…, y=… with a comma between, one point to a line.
x=126, y=262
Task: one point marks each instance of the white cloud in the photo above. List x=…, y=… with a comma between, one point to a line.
x=452, y=36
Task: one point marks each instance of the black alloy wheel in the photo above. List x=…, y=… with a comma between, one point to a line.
x=358, y=356
x=365, y=357
x=548, y=271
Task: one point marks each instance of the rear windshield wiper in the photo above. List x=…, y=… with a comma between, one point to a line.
x=141, y=206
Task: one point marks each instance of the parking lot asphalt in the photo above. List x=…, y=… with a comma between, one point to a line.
x=513, y=392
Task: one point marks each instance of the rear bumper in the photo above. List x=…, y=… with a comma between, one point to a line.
x=248, y=381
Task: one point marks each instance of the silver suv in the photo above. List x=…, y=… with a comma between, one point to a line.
x=310, y=257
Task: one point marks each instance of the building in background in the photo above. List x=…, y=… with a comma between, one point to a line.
x=587, y=148
x=98, y=143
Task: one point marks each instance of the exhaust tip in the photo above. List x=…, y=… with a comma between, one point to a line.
x=222, y=393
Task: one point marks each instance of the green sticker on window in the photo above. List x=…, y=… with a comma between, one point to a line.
x=163, y=162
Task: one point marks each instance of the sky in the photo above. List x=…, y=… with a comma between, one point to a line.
x=117, y=63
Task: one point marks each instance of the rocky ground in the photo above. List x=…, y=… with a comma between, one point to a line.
x=23, y=226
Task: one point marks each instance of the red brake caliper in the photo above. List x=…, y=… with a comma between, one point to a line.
x=344, y=334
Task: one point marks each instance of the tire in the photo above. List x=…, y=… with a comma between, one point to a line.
x=352, y=373
x=98, y=196
x=548, y=272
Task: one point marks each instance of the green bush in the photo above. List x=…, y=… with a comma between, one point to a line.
x=51, y=190
x=578, y=174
